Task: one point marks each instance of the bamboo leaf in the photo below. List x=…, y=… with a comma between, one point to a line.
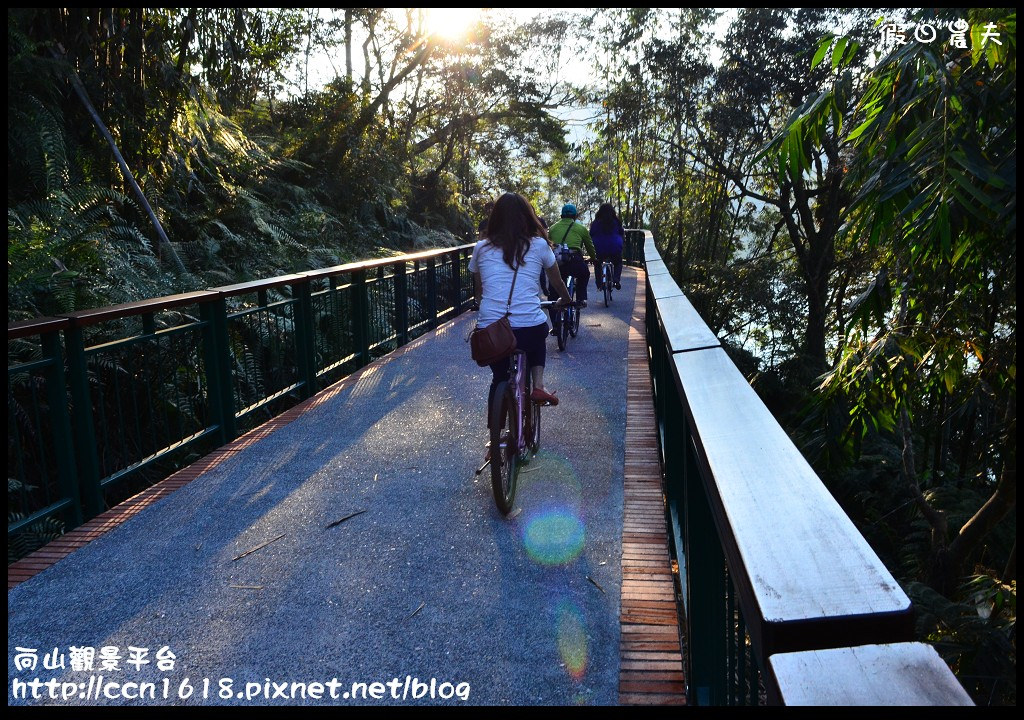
x=822, y=49
x=837, y=51
x=860, y=129
x=981, y=171
x=944, y=229
x=964, y=182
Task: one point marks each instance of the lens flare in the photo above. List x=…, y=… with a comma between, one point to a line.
x=451, y=23
x=572, y=639
x=554, y=536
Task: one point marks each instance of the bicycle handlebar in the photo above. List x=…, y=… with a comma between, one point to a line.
x=543, y=303
x=554, y=303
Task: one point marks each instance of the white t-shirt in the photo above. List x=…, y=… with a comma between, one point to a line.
x=496, y=277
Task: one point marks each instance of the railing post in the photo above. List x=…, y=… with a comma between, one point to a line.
x=401, y=304
x=432, y=292
x=305, y=346
x=361, y=316
x=63, y=445
x=217, y=359
x=673, y=458
x=456, y=281
x=705, y=585
x=83, y=431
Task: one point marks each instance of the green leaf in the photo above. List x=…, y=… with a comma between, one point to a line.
x=971, y=207
x=920, y=199
x=822, y=49
x=851, y=50
x=837, y=117
x=949, y=377
x=992, y=53
x=964, y=182
x=861, y=128
x=944, y=229
x=795, y=150
x=837, y=51
x=977, y=30
x=961, y=248
x=978, y=169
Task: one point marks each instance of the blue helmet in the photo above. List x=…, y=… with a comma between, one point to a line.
x=569, y=210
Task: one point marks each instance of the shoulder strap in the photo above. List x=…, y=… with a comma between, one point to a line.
x=508, y=305
x=567, y=229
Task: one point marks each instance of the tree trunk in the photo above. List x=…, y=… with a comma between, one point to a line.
x=188, y=27
x=814, y=336
x=165, y=243
x=348, y=45
x=1001, y=502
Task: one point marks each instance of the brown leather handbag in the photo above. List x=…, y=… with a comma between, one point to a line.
x=496, y=341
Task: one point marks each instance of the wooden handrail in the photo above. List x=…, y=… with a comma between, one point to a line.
x=749, y=512
x=371, y=264
x=81, y=318
x=36, y=326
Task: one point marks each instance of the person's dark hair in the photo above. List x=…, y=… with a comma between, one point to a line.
x=511, y=226
x=606, y=219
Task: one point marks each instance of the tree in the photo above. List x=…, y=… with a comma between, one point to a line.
x=930, y=360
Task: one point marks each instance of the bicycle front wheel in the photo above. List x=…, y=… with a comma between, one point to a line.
x=504, y=447
x=532, y=422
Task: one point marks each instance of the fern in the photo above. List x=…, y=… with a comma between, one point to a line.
x=33, y=537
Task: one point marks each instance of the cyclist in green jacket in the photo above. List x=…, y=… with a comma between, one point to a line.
x=575, y=235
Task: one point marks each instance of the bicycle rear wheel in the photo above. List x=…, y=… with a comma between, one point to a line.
x=607, y=282
x=565, y=315
x=573, y=311
x=504, y=447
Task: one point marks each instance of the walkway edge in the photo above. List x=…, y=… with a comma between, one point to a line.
x=56, y=550
x=651, y=663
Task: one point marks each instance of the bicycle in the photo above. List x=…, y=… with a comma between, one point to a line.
x=566, y=320
x=514, y=421
x=607, y=273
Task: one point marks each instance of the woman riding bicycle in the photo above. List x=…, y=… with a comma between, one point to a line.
x=608, y=236
x=516, y=240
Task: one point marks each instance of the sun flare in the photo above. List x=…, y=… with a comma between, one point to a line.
x=451, y=23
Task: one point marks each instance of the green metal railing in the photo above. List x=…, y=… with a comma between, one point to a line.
x=773, y=575
x=633, y=247
x=104, y=402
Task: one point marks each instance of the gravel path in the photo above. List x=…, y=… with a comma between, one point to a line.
x=429, y=581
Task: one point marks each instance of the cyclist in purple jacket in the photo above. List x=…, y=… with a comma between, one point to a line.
x=607, y=233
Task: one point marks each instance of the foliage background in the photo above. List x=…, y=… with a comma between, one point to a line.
x=842, y=214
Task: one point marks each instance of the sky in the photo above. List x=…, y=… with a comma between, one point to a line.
x=449, y=22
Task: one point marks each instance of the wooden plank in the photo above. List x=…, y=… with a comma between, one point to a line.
x=651, y=655
x=650, y=249
x=651, y=686
x=652, y=699
x=810, y=580
x=877, y=675
x=656, y=267
x=663, y=286
x=651, y=663
x=683, y=327
x=666, y=675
